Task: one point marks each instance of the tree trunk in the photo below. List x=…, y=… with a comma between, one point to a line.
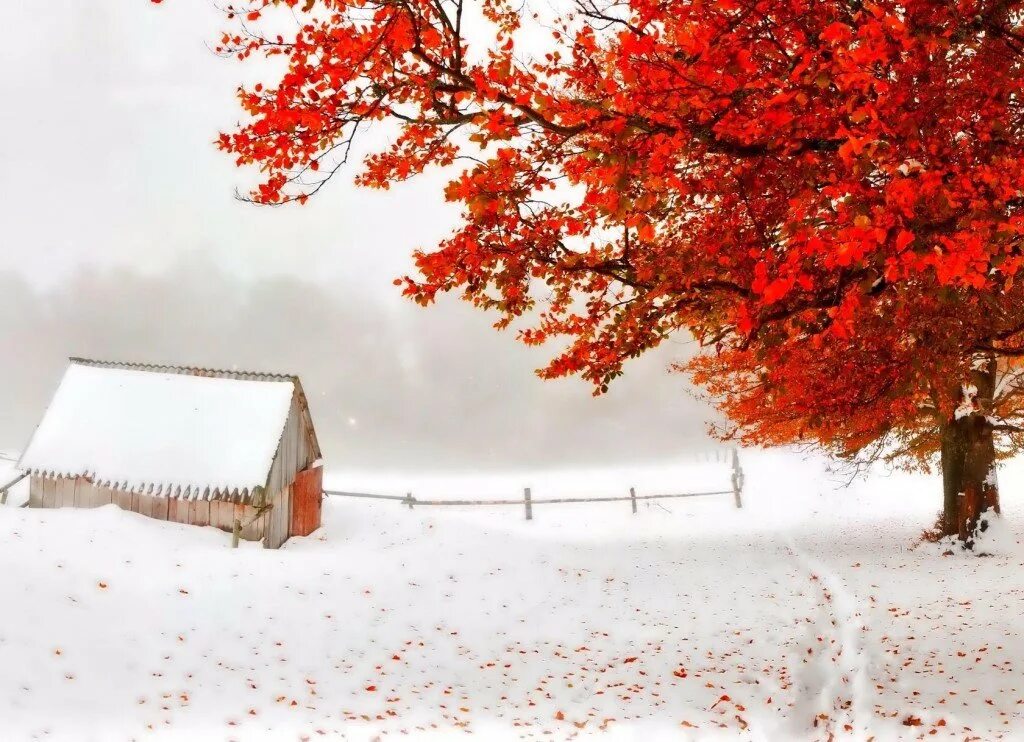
x=968, y=458
x=952, y=453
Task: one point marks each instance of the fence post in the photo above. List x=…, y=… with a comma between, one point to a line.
x=529, y=504
x=236, y=532
x=3, y=497
x=409, y=499
x=737, y=479
x=632, y=498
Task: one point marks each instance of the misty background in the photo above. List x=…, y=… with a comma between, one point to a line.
x=121, y=239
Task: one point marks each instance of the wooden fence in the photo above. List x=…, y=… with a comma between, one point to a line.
x=528, y=501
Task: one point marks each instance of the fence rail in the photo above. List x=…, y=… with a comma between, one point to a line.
x=528, y=501
x=535, y=501
x=368, y=495
x=6, y=487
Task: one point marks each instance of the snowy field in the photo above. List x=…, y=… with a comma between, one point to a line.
x=811, y=614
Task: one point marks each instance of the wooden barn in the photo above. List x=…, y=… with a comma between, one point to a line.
x=230, y=449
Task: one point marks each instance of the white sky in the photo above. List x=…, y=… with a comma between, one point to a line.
x=117, y=105
x=120, y=236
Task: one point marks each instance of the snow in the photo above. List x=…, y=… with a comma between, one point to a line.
x=910, y=166
x=137, y=429
x=966, y=407
x=813, y=613
x=18, y=494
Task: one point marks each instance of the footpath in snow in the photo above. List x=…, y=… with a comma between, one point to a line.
x=810, y=614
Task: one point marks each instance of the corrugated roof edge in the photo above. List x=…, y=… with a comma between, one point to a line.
x=219, y=374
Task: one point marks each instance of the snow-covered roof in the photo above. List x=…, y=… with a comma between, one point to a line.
x=179, y=432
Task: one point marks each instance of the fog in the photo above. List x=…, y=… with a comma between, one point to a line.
x=390, y=384
x=120, y=238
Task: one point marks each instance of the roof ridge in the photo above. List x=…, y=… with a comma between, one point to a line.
x=240, y=375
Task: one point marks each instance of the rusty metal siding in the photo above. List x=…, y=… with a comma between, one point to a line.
x=307, y=495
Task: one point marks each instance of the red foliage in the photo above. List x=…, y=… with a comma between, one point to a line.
x=826, y=193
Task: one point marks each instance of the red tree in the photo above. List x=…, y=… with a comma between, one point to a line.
x=826, y=193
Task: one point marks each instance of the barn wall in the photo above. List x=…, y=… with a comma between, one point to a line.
x=278, y=519
x=58, y=492
x=35, y=492
x=295, y=452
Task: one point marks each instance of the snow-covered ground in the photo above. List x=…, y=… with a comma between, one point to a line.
x=810, y=614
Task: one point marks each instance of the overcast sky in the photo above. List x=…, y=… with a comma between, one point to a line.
x=120, y=238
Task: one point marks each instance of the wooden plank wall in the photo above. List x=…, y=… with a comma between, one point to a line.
x=67, y=492
x=294, y=453
x=278, y=521
x=35, y=492
x=58, y=492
